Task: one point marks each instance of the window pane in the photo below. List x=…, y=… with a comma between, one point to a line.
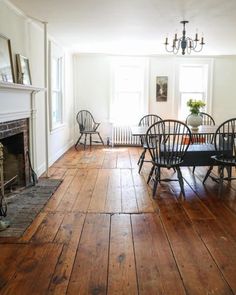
x=127, y=106
x=129, y=100
x=128, y=78
x=56, y=108
x=192, y=78
x=55, y=73
x=56, y=90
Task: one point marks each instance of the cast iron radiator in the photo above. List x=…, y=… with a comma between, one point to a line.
x=121, y=135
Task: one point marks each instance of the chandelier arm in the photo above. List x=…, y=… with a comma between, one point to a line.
x=175, y=51
x=195, y=44
x=168, y=50
x=178, y=44
x=189, y=45
x=188, y=49
x=200, y=49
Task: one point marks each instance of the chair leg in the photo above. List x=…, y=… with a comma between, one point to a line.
x=78, y=140
x=181, y=182
x=229, y=171
x=207, y=174
x=100, y=138
x=156, y=180
x=90, y=141
x=139, y=160
x=150, y=174
x=221, y=175
x=142, y=160
x=85, y=140
x=194, y=169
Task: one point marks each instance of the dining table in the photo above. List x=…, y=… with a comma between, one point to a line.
x=202, y=130
x=198, y=153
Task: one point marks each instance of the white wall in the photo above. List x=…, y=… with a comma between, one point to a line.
x=162, y=67
x=92, y=86
x=61, y=139
x=92, y=89
x=27, y=39
x=224, y=88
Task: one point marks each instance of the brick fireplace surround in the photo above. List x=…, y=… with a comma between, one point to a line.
x=14, y=135
x=18, y=124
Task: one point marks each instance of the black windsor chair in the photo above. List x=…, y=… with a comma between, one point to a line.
x=147, y=120
x=166, y=143
x=225, y=146
x=87, y=126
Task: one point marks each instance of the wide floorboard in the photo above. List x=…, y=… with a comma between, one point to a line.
x=102, y=232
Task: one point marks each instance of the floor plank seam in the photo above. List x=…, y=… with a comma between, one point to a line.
x=220, y=199
x=209, y=252
x=135, y=260
x=75, y=255
x=108, y=258
x=52, y=275
x=173, y=254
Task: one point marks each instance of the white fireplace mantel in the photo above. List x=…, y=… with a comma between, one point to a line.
x=17, y=101
x=12, y=86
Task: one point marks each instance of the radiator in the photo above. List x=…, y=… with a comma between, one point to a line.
x=121, y=135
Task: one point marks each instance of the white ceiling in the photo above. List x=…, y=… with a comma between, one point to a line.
x=135, y=26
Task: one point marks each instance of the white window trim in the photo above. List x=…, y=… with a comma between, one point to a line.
x=194, y=61
x=55, y=51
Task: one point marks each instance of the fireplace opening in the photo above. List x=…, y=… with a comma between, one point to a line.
x=14, y=161
x=14, y=137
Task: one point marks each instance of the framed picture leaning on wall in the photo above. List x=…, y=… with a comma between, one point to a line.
x=23, y=70
x=161, y=88
x=6, y=65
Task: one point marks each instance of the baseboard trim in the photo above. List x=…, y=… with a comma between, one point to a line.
x=42, y=168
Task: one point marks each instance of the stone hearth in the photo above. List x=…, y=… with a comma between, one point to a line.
x=23, y=207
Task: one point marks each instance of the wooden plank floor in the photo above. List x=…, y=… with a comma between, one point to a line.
x=103, y=233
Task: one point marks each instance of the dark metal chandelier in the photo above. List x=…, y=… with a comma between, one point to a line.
x=184, y=43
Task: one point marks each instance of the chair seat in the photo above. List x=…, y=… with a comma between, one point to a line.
x=89, y=131
x=168, y=163
x=151, y=146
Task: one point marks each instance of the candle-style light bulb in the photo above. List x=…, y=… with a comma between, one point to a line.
x=202, y=40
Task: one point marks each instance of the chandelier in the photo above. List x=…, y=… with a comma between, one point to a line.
x=185, y=43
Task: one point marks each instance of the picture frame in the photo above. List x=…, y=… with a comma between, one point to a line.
x=6, y=64
x=161, y=88
x=23, y=70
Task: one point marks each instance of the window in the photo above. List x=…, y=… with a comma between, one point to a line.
x=129, y=90
x=56, y=86
x=193, y=83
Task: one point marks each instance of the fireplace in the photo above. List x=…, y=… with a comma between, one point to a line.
x=14, y=136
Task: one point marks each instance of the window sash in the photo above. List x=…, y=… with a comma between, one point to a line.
x=128, y=90
x=56, y=88
x=203, y=92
